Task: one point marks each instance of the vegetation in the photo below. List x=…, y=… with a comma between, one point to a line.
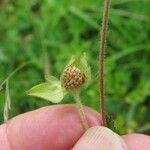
x=31, y=30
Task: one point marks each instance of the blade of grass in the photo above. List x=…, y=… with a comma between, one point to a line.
x=132, y=15
x=128, y=1
x=144, y=128
x=126, y=52
x=7, y=106
x=47, y=66
x=14, y=72
x=130, y=115
x=85, y=17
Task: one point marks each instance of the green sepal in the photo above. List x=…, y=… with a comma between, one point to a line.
x=51, y=79
x=72, y=62
x=85, y=69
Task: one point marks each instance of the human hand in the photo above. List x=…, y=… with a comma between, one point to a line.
x=58, y=127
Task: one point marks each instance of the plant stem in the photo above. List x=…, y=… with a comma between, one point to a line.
x=101, y=59
x=81, y=110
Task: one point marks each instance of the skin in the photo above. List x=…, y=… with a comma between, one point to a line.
x=56, y=127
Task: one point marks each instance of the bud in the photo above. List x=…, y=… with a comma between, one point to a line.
x=72, y=78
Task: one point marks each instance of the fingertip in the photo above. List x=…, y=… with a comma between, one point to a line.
x=137, y=141
x=4, y=145
x=100, y=138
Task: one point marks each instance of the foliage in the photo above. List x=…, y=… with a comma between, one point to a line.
x=63, y=28
x=51, y=91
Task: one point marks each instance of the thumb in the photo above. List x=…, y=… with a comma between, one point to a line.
x=100, y=138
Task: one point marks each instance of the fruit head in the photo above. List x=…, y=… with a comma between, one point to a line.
x=72, y=78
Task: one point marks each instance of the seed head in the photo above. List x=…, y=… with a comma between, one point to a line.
x=72, y=78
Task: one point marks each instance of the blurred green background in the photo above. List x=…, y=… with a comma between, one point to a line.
x=62, y=28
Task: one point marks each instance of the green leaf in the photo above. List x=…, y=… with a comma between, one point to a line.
x=52, y=79
x=51, y=91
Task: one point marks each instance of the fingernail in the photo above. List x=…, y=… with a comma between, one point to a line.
x=100, y=138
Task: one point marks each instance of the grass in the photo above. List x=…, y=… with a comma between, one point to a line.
x=28, y=29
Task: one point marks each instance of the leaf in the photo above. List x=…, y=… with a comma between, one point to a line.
x=52, y=79
x=51, y=91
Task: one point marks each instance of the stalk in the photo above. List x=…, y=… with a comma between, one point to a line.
x=81, y=110
x=102, y=59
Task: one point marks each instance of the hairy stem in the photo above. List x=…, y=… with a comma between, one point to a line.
x=81, y=110
x=101, y=58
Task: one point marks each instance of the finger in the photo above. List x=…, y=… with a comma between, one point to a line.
x=50, y=128
x=100, y=138
x=137, y=141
